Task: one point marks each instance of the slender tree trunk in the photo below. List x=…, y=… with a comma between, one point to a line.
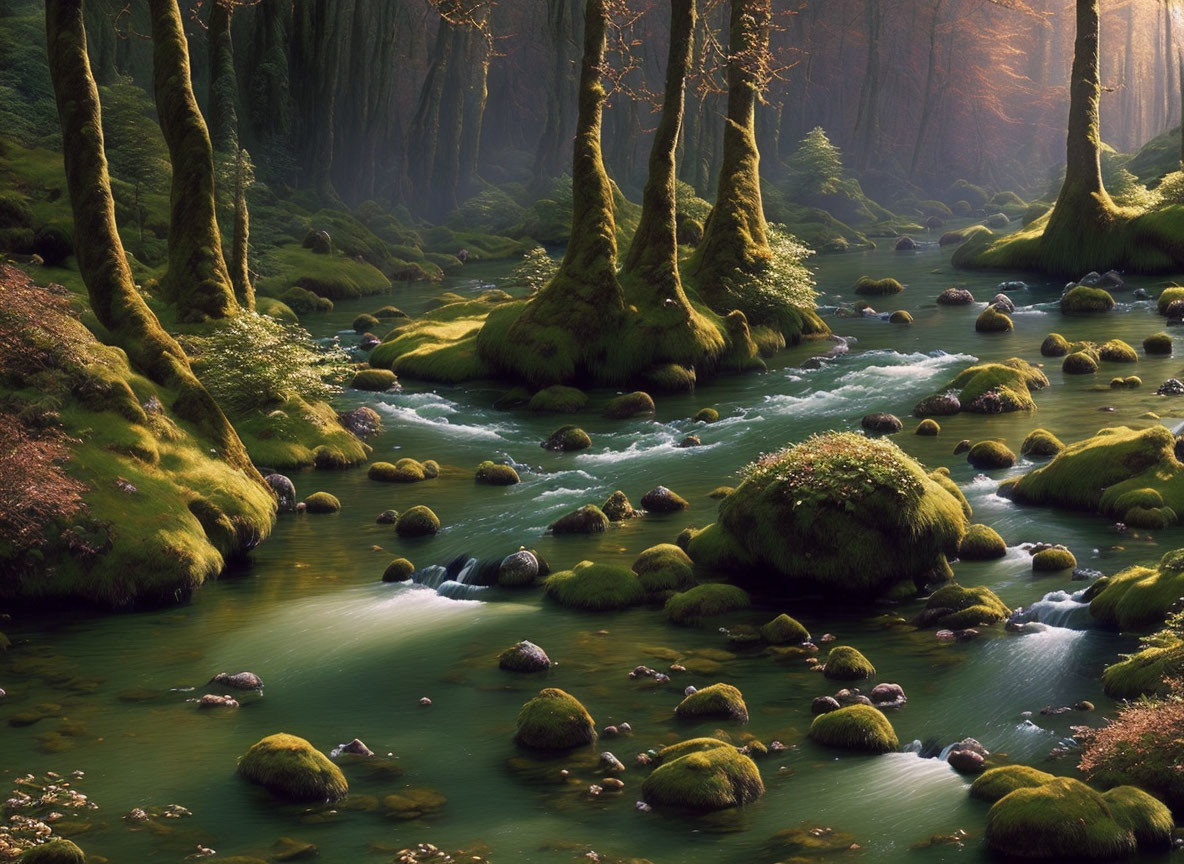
x=221, y=109
x=240, y=274
x=927, y=99
x=320, y=37
x=1180, y=61
x=269, y=118
x=112, y=291
x=867, y=123
x=197, y=280
x=562, y=30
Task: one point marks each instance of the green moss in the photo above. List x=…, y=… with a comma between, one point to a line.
x=387, y=313
x=713, y=701
x=981, y=543
x=376, y=380
x=588, y=519
x=1117, y=351
x=595, y=588
x=554, y=720
x=558, y=398
x=1157, y=344
x=617, y=507
x=844, y=663
x=403, y=471
x=1041, y=443
x=928, y=427
x=941, y=476
x=1167, y=297
x=784, y=630
x=365, y=323
x=691, y=745
x=963, y=607
x=322, y=502
x=1082, y=298
x=706, y=415
x=990, y=455
x=302, y=301
x=991, y=320
x=1144, y=672
x=494, y=474
x=334, y=276
x=55, y=851
x=856, y=727
x=399, y=570
x=1051, y=560
x=990, y=388
x=1132, y=381
x=439, y=346
x=1140, y=598
x=900, y=317
x=568, y=439
x=290, y=767
x=1147, y=818
x=869, y=287
x=1055, y=345
x=720, y=492
x=714, y=778
x=417, y=521
x=664, y=567
x=629, y=405
x=994, y=783
x=690, y=608
x=1080, y=363
x=276, y=309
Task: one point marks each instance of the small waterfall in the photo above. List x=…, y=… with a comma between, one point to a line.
x=463, y=578
x=1056, y=609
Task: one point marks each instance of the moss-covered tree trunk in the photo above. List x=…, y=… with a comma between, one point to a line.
x=1083, y=208
x=197, y=279
x=222, y=105
x=101, y=258
x=267, y=124
x=240, y=273
x=319, y=42
x=551, y=155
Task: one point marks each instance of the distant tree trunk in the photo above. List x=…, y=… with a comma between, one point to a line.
x=101, y=258
x=240, y=274
x=1130, y=86
x=197, y=280
x=1169, y=68
x=1180, y=60
x=221, y=109
x=319, y=38
x=867, y=122
x=553, y=152
x=927, y=98
x=269, y=118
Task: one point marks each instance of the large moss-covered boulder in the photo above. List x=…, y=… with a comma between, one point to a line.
x=322, y=502
x=1099, y=473
x=664, y=567
x=567, y=439
x=981, y=543
x=953, y=607
x=844, y=663
x=629, y=405
x=558, y=398
x=588, y=519
x=417, y=521
x=595, y=587
x=856, y=727
x=1117, y=351
x=839, y=513
x=1082, y=298
x=702, y=602
x=784, y=630
x=1157, y=344
x=721, y=701
x=1066, y=820
x=56, y=851
x=492, y=473
x=989, y=455
x=1146, y=672
x=1041, y=444
x=1140, y=598
x=994, y=783
x=554, y=720
x=996, y=388
x=403, y=471
x=289, y=767
x=992, y=320
x=869, y=287
x=712, y=775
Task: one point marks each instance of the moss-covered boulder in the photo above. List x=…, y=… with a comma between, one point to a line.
x=588, y=519
x=991, y=320
x=869, y=287
x=567, y=439
x=706, y=415
x=1055, y=345
x=784, y=630
x=718, y=701
x=322, y=502
x=629, y=405
x=1053, y=560
x=990, y=455
x=928, y=428
x=491, y=473
x=554, y=720
x=856, y=727
x=953, y=607
x=1145, y=672
x=663, y=500
x=1084, y=299
x=1066, y=820
x=524, y=657
x=291, y=768
x=994, y=783
x=981, y=543
x=900, y=316
x=403, y=471
x=417, y=521
x=713, y=776
x=365, y=322
x=690, y=608
x=55, y=851
x=996, y=388
x=1171, y=294
x=559, y=399
x=399, y=570
x=1117, y=351
x=617, y=507
x=595, y=587
x=839, y=512
x=1080, y=363
x=374, y=380
x=1157, y=344
x=664, y=567
x=844, y=663
x=1040, y=443
x=1140, y=598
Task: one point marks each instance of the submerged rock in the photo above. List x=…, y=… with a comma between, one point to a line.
x=285, y=492
x=524, y=657
x=517, y=569
x=881, y=423
x=617, y=508
x=662, y=500
x=238, y=681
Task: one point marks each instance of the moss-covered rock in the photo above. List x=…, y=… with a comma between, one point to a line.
x=399, y=570
x=692, y=607
x=1144, y=673
x=991, y=320
x=994, y=388
x=1157, y=344
x=629, y=405
x=844, y=663
x=981, y=543
x=900, y=316
x=1140, y=598
x=994, y=783
x=706, y=415
x=567, y=439
x=524, y=657
x=404, y=471
x=1040, y=443
x=856, y=727
x=988, y=455
x=558, y=398
x=711, y=778
x=388, y=313
x=554, y=720
x=1117, y=351
x=928, y=427
x=784, y=630
x=588, y=519
x=953, y=607
x=322, y=502
x=374, y=380
x=494, y=474
x=1167, y=297
x=364, y=323
x=1055, y=345
x=595, y=587
x=1082, y=298
x=1052, y=560
x=663, y=500
x=1080, y=363
x=417, y=521
x=664, y=567
x=719, y=701
x=289, y=767
x=868, y=287
x=54, y=851
x=833, y=513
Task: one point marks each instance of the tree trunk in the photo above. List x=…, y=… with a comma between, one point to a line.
x=552, y=153
x=269, y=118
x=927, y=100
x=197, y=280
x=240, y=274
x=221, y=108
x=114, y=299
x=320, y=37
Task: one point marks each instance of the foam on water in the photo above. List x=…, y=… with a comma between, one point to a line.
x=433, y=411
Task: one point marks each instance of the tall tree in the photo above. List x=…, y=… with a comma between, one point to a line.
x=562, y=29
x=222, y=104
x=197, y=279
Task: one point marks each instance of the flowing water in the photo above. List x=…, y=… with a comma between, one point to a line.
x=346, y=656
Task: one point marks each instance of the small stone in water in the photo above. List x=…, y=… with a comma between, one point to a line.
x=827, y=637
x=944, y=635
x=211, y=701
x=564, y=773
x=424, y=700
x=776, y=745
x=690, y=691
x=611, y=731
x=357, y=748
x=1083, y=705
x=594, y=790
x=643, y=807
x=614, y=783
x=610, y=762
x=643, y=759
x=678, y=667
x=626, y=729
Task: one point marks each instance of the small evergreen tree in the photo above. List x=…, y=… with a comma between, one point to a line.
x=817, y=165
